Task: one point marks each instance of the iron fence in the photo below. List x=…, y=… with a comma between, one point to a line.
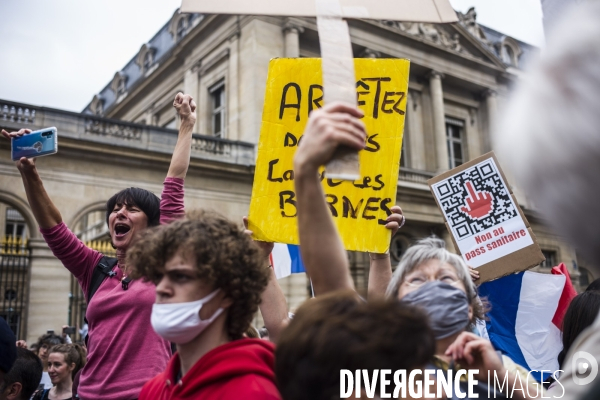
x=14, y=283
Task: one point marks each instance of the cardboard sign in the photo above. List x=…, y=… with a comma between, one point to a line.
x=360, y=207
x=487, y=225
x=434, y=11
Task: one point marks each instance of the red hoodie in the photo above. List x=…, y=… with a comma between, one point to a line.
x=242, y=369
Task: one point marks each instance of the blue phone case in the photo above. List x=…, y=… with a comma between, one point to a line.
x=35, y=144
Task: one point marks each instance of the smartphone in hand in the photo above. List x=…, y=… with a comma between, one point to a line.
x=69, y=330
x=35, y=144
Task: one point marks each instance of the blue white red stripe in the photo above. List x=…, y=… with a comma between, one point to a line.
x=525, y=319
x=286, y=260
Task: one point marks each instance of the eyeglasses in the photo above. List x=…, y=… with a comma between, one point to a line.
x=418, y=281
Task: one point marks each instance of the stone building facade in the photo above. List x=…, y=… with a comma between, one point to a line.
x=460, y=75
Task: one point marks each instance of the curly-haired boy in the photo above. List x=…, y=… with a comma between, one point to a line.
x=209, y=278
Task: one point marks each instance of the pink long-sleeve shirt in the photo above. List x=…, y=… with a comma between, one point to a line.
x=124, y=352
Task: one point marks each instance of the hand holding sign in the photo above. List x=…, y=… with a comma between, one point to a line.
x=479, y=204
x=334, y=125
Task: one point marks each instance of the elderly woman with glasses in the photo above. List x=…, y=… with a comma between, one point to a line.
x=431, y=277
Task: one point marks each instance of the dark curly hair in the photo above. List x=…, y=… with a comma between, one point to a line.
x=225, y=256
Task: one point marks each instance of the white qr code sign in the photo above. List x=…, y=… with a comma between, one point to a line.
x=481, y=213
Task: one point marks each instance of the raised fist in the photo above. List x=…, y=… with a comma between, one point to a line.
x=186, y=108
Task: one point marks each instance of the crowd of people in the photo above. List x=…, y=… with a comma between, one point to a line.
x=170, y=316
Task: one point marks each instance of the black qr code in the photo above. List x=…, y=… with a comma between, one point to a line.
x=475, y=200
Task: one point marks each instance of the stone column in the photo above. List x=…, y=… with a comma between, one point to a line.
x=491, y=102
x=233, y=89
x=414, y=133
x=49, y=287
x=439, y=120
x=292, y=39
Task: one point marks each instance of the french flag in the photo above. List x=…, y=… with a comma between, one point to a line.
x=525, y=320
x=286, y=260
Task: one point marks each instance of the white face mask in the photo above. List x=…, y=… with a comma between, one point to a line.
x=180, y=322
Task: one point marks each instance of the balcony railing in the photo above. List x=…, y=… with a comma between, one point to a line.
x=415, y=175
x=121, y=133
x=18, y=114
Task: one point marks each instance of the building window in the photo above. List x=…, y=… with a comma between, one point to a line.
x=121, y=87
x=398, y=246
x=181, y=28
x=217, y=95
x=550, y=259
x=92, y=226
x=97, y=105
x=508, y=55
x=15, y=225
x=454, y=137
x=148, y=60
x=99, y=108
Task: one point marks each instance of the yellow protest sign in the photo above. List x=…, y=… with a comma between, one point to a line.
x=359, y=208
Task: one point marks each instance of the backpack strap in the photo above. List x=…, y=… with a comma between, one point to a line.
x=103, y=270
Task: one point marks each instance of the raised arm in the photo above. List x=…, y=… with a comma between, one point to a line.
x=171, y=199
x=45, y=212
x=380, y=270
x=273, y=305
x=322, y=250
x=186, y=110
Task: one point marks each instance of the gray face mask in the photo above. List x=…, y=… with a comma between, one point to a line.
x=446, y=306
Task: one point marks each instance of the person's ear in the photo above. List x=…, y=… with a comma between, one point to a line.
x=226, y=302
x=470, y=312
x=13, y=391
x=72, y=367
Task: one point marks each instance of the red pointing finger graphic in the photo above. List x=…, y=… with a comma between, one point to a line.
x=478, y=204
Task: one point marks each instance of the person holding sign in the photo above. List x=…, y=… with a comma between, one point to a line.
x=322, y=250
x=437, y=281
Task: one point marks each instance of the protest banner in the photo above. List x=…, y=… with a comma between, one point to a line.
x=487, y=225
x=360, y=207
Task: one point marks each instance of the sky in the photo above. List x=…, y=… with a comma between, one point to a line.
x=60, y=53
